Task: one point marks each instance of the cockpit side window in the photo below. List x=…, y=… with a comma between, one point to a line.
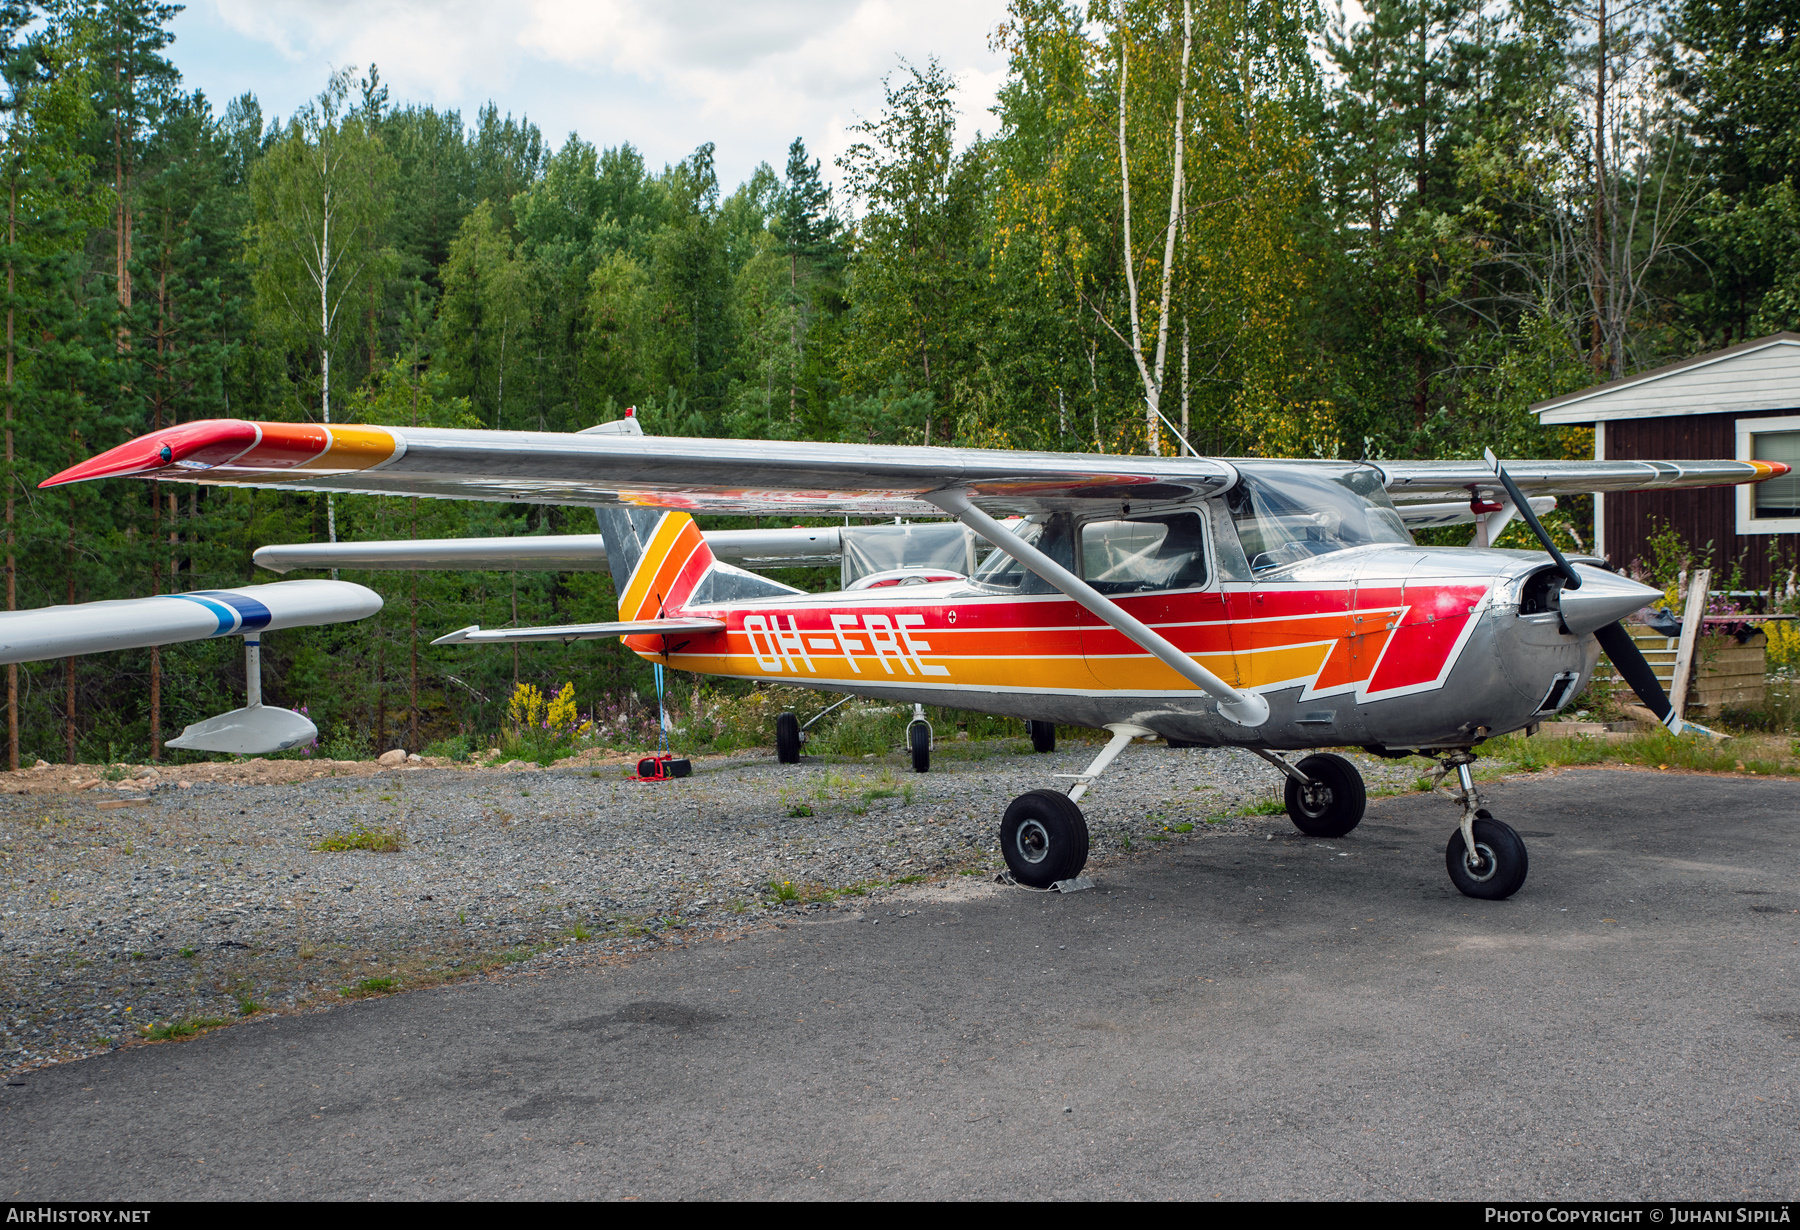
x=1145, y=554
x=1284, y=515
x=1053, y=535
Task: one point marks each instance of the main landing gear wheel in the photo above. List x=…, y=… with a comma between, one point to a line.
x=1498, y=869
x=918, y=741
x=1044, y=837
x=1334, y=804
x=1043, y=736
x=787, y=739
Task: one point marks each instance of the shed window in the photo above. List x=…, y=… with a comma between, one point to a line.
x=1778, y=497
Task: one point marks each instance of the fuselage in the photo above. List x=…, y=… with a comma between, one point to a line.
x=1392, y=646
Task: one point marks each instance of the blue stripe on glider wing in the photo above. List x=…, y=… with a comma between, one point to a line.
x=225, y=615
x=252, y=614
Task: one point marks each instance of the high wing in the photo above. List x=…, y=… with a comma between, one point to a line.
x=1409, y=481
x=724, y=476
x=696, y=475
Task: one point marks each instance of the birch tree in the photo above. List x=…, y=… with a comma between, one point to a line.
x=1151, y=371
x=321, y=195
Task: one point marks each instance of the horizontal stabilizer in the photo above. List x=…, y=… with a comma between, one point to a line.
x=476, y=634
x=255, y=731
x=134, y=623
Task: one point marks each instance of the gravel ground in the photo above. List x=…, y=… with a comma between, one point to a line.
x=154, y=903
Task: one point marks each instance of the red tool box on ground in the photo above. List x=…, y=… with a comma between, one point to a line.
x=663, y=766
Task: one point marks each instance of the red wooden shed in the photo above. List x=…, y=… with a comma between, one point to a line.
x=1743, y=402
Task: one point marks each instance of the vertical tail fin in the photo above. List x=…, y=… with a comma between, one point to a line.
x=661, y=564
x=657, y=559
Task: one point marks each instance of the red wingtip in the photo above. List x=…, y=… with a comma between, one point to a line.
x=207, y=442
x=1779, y=468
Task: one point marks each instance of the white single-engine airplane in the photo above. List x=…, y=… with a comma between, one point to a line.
x=1268, y=605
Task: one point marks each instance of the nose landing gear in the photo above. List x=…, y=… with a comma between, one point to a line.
x=1486, y=858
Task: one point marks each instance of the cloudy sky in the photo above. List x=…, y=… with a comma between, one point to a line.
x=665, y=75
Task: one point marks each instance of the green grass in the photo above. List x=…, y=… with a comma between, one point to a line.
x=1268, y=807
x=188, y=954
x=580, y=933
x=368, y=986
x=785, y=891
x=1184, y=827
x=1658, y=750
x=380, y=841
x=799, y=811
x=248, y=1007
x=187, y=1027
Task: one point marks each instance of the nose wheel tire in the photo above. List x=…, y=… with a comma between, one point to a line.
x=1043, y=736
x=1334, y=804
x=1044, y=837
x=787, y=739
x=918, y=742
x=1498, y=869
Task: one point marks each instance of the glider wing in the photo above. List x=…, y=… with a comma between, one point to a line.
x=134, y=623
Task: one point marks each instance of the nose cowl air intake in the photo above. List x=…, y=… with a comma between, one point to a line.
x=1604, y=598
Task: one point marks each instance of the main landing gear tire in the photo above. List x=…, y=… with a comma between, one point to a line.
x=787, y=739
x=1500, y=863
x=1043, y=736
x=1335, y=804
x=1044, y=837
x=918, y=741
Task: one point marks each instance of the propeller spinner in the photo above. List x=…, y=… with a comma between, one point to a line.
x=1598, y=607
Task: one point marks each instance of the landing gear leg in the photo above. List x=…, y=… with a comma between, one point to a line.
x=1325, y=795
x=1043, y=835
x=1485, y=858
x=918, y=740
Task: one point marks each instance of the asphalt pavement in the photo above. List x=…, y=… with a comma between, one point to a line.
x=1238, y=1018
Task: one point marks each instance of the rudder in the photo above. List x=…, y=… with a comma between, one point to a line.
x=661, y=564
x=657, y=558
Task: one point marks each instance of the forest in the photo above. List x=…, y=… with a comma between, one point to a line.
x=1245, y=227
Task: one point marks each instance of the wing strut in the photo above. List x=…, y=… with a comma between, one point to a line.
x=1244, y=708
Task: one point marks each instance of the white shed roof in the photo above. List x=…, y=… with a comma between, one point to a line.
x=1759, y=375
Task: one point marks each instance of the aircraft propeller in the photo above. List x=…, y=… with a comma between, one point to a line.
x=1615, y=642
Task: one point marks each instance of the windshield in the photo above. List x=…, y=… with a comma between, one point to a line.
x=1287, y=514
